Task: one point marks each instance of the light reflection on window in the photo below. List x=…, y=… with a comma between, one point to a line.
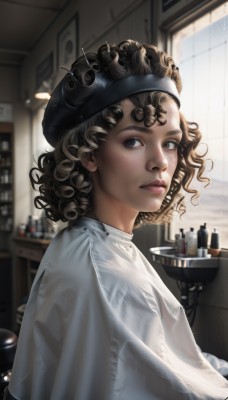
x=201, y=50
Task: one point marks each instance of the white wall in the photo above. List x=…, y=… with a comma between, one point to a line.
x=22, y=157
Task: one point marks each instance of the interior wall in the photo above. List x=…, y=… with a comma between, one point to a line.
x=106, y=20
x=211, y=326
x=22, y=161
x=9, y=84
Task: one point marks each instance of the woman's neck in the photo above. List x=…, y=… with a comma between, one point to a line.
x=115, y=220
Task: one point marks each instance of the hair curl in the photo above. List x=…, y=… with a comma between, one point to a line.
x=65, y=187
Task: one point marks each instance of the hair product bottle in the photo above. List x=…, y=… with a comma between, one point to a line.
x=191, y=243
x=214, y=245
x=181, y=244
x=202, y=240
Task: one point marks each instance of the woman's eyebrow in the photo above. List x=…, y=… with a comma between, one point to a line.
x=134, y=128
x=145, y=130
x=174, y=132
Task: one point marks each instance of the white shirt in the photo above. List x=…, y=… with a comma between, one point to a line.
x=101, y=325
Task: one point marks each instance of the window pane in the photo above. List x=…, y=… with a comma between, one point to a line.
x=201, y=50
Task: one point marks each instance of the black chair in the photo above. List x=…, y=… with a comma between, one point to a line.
x=8, y=345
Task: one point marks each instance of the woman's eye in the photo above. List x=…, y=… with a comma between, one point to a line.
x=171, y=145
x=133, y=143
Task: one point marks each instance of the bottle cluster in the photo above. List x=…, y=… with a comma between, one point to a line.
x=194, y=243
x=37, y=228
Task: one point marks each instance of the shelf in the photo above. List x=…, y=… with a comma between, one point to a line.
x=4, y=254
x=6, y=182
x=27, y=240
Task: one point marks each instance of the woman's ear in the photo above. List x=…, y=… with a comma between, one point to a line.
x=89, y=162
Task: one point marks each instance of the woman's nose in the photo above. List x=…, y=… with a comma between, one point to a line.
x=157, y=160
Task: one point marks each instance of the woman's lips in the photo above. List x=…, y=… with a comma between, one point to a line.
x=157, y=187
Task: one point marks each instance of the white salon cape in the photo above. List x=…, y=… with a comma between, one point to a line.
x=101, y=325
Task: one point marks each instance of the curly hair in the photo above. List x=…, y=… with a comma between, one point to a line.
x=65, y=186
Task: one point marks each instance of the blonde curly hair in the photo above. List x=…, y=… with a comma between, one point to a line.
x=65, y=186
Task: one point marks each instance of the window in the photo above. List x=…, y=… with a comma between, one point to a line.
x=201, y=51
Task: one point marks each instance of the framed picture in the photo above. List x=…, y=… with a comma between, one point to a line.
x=6, y=112
x=44, y=70
x=67, y=43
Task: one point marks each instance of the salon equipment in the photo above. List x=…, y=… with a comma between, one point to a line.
x=191, y=273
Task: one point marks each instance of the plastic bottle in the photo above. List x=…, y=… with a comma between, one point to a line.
x=191, y=243
x=214, y=244
x=202, y=240
x=177, y=237
x=30, y=227
x=181, y=244
x=199, y=240
x=205, y=236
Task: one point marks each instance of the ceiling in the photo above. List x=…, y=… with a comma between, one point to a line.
x=22, y=24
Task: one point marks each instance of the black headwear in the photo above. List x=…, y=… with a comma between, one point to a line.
x=72, y=103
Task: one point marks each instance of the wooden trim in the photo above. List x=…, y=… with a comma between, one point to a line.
x=6, y=127
x=186, y=15
x=22, y=239
x=224, y=253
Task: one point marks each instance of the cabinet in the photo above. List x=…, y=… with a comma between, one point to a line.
x=29, y=253
x=6, y=181
x=6, y=222
x=5, y=290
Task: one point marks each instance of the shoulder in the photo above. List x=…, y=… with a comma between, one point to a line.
x=69, y=245
x=67, y=263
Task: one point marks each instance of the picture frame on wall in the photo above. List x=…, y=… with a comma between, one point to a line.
x=45, y=70
x=67, y=43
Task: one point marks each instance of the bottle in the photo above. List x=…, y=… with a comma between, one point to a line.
x=204, y=236
x=191, y=243
x=181, y=244
x=30, y=227
x=214, y=244
x=202, y=240
x=39, y=228
x=177, y=240
x=177, y=237
x=199, y=235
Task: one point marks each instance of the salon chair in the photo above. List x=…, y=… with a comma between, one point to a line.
x=8, y=345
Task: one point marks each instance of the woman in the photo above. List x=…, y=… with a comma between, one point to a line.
x=99, y=323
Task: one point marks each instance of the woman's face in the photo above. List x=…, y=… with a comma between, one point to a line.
x=135, y=165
